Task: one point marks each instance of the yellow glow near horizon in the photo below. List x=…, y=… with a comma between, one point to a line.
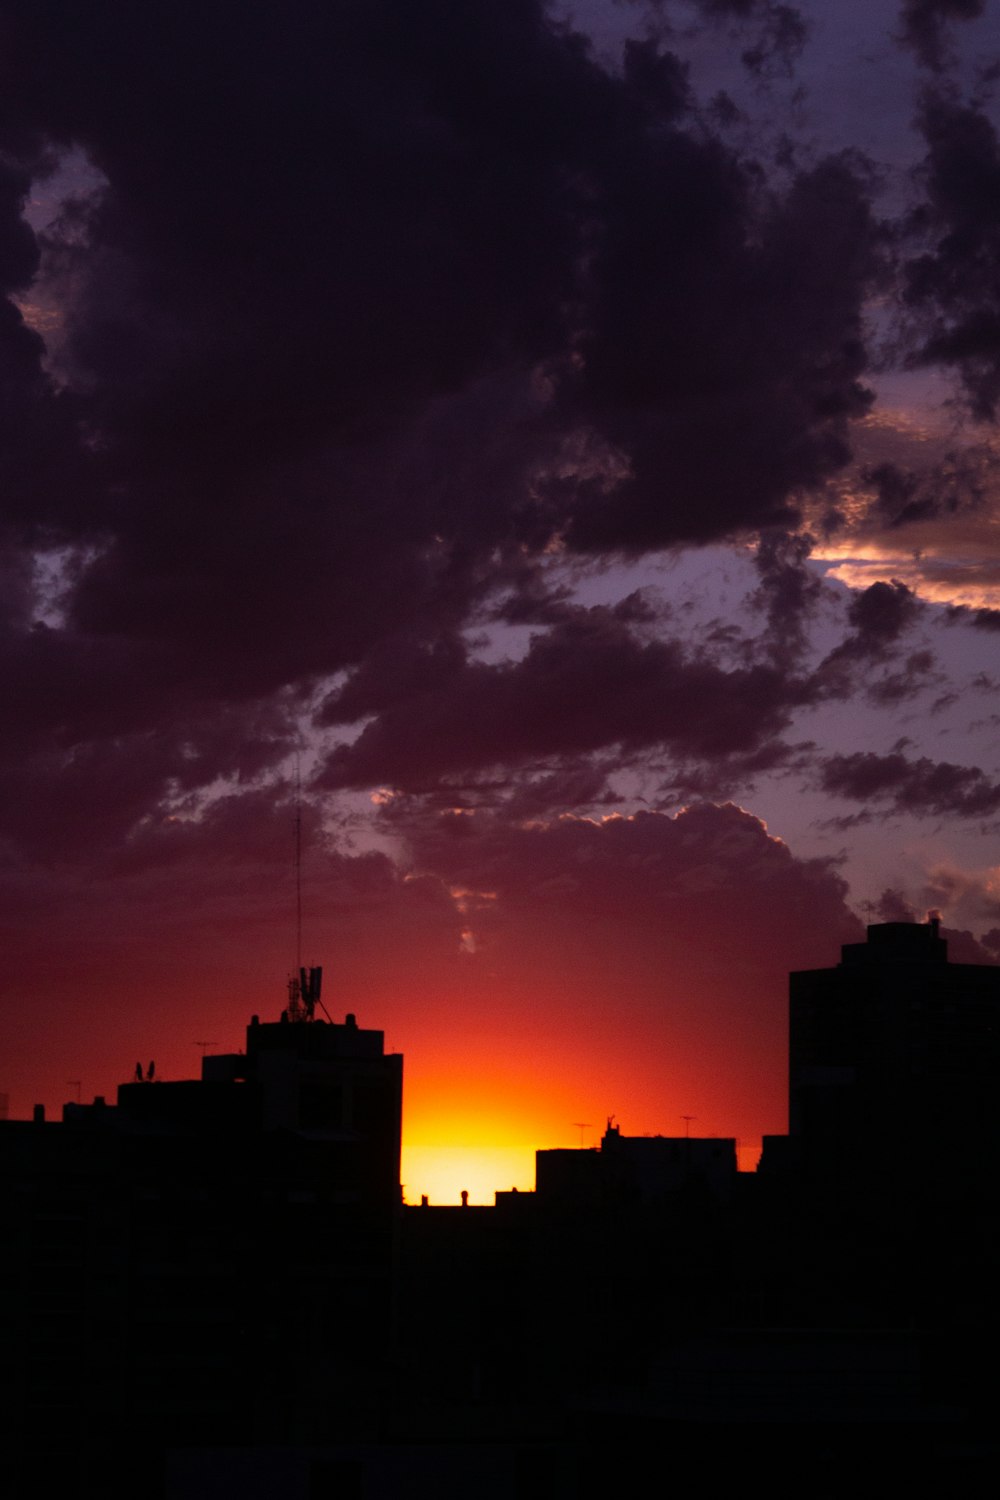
x=444, y=1172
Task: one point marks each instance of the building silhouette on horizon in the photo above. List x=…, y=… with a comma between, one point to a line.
x=636, y=1169
x=893, y=1061
x=208, y=1261
x=214, y=1284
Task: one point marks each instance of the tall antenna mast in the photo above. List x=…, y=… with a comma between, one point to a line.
x=298, y=861
x=305, y=984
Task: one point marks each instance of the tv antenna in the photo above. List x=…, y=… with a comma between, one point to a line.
x=205, y=1046
x=298, y=860
x=581, y=1126
x=305, y=983
x=687, y=1125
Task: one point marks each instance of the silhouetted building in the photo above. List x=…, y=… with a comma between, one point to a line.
x=201, y=1280
x=208, y=1262
x=876, y=1211
x=634, y=1170
x=893, y=1059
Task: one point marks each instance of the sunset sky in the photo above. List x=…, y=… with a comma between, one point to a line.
x=563, y=439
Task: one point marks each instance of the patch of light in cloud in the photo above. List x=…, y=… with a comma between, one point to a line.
x=74, y=178
x=938, y=581
x=55, y=572
x=43, y=305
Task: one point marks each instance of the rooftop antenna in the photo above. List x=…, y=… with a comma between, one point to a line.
x=298, y=860
x=581, y=1126
x=305, y=984
x=75, y=1083
x=205, y=1046
x=687, y=1125
x=297, y=1010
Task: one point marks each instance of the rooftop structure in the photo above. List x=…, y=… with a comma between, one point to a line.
x=636, y=1170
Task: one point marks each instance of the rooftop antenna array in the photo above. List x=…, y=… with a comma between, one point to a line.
x=304, y=995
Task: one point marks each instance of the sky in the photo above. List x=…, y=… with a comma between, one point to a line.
x=551, y=450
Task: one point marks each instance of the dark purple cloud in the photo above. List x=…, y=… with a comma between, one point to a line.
x=379, y=308
x=965, y=948
x=919, y=786
x=915, y=673
x=895, y=491
x=586, y=684
x=772, y=34
x=980, y=619
x=676, y=882
x=892, y=906
x=880, y=618
x=42, y=472
x=376, y=303
x=963, y=481
x=925, y=26
x=669, y=935
x=597, y=688
x=780, y=42
x=955, y=284
x=789, y=591
x=723, y=352
x=879, y=615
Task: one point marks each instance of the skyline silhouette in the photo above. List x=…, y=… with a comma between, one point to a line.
x=229, y=1263
x=543, y=454
x=499, y=500
x=480, y=1149
x=305, y=995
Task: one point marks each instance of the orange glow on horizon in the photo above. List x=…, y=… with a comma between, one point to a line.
x=474, y=1122
x=505, y=1051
